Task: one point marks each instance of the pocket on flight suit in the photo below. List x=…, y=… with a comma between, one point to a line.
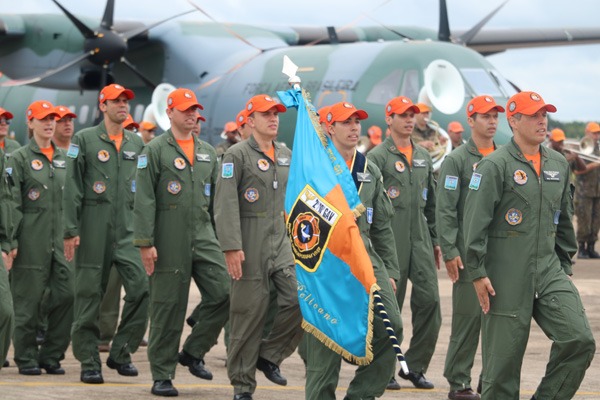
x=22, y=277
x=564, y=314
x=166, y=285
x=507, y=332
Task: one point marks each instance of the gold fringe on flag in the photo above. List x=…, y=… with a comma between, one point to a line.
x=323, y=338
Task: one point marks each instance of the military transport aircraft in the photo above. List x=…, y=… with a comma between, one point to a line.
x=65, y=59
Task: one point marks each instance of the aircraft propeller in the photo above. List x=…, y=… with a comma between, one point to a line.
x=444, y=34
x=103, y=47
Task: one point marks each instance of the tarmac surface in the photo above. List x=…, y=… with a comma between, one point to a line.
x=45, y=387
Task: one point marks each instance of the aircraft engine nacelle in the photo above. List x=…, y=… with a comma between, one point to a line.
x=444, y=87
x=157, y=109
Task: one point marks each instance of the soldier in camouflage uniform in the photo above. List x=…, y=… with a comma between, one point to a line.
x=587, y=199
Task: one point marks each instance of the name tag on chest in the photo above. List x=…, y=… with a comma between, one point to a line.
x=202, y=157
x=552, y=176
x=363, y=176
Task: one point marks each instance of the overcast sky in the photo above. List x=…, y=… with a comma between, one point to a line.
x=568, y=77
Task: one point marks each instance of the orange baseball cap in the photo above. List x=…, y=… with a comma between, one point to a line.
x=423, y=107
x=241, y=118
x=5, y=114
x=182, y=99
x=374, y=133
x=592, y=127
x=230, y=127
x=40, y=109
x=147, y=125
x=323, y=114
x=527, y=103
x=113, y=91
x=455, y=126
x=129, y=122
x=63, y=112
x=557, y=135
x=400, y=105
x=262, y=103
x=200, y=117
x=482, y=104
x=342, y=111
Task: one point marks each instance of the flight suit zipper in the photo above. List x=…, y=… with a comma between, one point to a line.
x=537, y=250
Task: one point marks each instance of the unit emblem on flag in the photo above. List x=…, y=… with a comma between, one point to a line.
x=311, y=221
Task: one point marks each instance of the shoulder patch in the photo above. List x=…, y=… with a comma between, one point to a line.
x=73, y=151
x=475, y=181
x=227, y=170
x=142, y=161
x=451, y=182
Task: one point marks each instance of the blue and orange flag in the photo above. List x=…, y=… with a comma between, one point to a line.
x=335, y=276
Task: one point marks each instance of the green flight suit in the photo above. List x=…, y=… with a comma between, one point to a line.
x=173, y=212
x=99, y=208
x=249, y=216
x=40, y=263
x=10, y=146
x=323, y=368
x=518, y=232
x=455, y=175
x=412, y=191
x=6, y=231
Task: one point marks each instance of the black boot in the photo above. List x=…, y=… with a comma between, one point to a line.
x=583, y=253
x=591, y=252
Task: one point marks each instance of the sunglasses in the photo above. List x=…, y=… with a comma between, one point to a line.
x=5, y=121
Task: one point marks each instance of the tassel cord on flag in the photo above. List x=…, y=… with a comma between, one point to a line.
x=390, y=331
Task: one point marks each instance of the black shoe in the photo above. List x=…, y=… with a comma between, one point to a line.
x=591, y=251
x=271, y=371
x=30, y=371
x=190, y=321
x=243, y=396
x=123, y=369
x=417, y=379
x=91, y=377
x=164, y=388
x=40, y=337
x=6, y=364
x=393, y=384
x=54, y=369
x=195, y=365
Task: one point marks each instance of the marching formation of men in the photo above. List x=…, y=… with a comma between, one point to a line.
x=172, y=209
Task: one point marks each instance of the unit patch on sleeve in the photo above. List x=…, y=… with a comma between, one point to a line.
x=227, y=170
x=451, y=182
x=475, y=181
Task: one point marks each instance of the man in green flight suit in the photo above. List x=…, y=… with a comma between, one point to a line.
x=251, y=229
x=455, y=175
x=6, y=232
x=7, y=145
x=323, y=364
x=173, y=227
x=519, y=242
x=99, y=222
x=408, y=178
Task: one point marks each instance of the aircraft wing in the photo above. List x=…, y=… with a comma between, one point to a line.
x=490, y=41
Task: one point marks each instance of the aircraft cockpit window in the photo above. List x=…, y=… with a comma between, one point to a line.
x=508, y=89
x=410, y=85
x=481, y=82
x=386, y=88
x=83, y=114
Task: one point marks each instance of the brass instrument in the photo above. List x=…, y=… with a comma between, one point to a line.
x=440, y=151
x=364, y=144
x=584, y=148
